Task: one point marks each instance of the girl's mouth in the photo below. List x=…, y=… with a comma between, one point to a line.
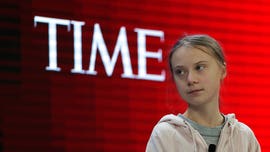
x=195, y=91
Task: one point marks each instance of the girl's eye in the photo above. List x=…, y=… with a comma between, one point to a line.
x=179, y=72
x=200, y=67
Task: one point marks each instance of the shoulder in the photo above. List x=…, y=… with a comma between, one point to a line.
x=243, y=134
x=239, y=133
x=239, y=127
x=247, y=137
x=243, y=129
x=168, y=134
x=167, y=124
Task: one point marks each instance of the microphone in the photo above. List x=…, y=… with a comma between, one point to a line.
x=212, y=148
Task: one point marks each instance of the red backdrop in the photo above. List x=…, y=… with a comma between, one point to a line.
x=43, y=110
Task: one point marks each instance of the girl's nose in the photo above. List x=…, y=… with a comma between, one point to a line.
x=191, y=79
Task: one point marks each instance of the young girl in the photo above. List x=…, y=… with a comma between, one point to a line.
x=198, y=67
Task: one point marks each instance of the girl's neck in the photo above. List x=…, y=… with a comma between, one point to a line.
x=208, y=117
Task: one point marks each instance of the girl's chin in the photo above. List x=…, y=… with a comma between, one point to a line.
x=196, y=103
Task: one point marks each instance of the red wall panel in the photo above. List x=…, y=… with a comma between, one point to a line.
x=45, y=110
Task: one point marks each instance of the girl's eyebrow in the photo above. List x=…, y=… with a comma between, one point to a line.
x=179, y=66
x=200, y=62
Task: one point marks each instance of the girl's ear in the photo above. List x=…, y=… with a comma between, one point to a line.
x=224, y=72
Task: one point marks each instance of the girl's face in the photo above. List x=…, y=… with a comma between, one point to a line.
x=197, y=75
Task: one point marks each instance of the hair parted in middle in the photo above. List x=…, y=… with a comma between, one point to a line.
x=202, y=42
